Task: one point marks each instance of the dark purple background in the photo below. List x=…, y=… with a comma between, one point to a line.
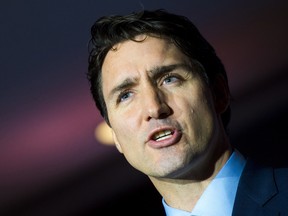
x=50, y=162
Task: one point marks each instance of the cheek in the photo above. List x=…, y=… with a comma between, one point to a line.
x=128, y=141
x=123, y=128
x=207, y=119
x=120, y=128
x=126, y=119
x=199, y=115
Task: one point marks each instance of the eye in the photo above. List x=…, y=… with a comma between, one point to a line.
x=170, y=78
x=123, y=96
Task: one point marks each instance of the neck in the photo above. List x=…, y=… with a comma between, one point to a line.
x=183, y=193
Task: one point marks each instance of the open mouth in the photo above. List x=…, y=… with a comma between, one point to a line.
x=161, y=135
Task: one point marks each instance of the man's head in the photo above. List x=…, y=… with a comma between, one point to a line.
x=162, y=90
x=112, y=30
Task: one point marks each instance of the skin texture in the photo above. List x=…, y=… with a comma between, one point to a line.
x=150, y=87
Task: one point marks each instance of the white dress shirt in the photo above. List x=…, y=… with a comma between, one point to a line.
x=218, y=198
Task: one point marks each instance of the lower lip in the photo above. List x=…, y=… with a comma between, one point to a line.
x=176, y=136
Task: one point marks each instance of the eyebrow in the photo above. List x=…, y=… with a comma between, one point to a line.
x=123, y=85
x=158, y=71
x=154, y=73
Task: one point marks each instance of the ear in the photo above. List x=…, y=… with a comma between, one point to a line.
x=117, y=144
x=221, y=94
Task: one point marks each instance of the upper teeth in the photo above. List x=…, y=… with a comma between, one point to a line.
x=161, y=135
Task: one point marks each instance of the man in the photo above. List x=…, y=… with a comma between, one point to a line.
x=164, y=92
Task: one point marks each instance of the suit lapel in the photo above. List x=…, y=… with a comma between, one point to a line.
x=256, y=187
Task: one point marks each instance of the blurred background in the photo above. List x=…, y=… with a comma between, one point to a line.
x=51, y=160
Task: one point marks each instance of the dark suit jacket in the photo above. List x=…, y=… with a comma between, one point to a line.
x=262, y=191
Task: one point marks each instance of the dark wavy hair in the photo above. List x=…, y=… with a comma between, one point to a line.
x=108, y=31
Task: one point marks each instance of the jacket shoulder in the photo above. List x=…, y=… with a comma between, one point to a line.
x=262, y=190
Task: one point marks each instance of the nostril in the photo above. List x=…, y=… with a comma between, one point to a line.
x=160, y=112
x=165, y=111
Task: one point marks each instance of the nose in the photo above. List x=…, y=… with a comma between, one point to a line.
x=155, y=105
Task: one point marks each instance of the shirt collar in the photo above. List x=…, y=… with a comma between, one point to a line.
x=220, y=193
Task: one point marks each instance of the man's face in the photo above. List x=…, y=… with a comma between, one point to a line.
x=161, y=111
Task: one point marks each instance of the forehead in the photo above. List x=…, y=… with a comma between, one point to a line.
x=142, y=50
x=141, y=44
x=134, y=59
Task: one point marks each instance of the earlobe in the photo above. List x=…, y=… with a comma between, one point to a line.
x=117, y=144
x=221, y=94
